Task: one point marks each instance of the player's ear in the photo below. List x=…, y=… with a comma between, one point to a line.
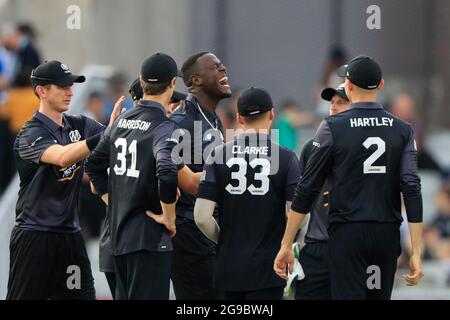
x=381, y=85
x=272, y=114
x=239, y=119
x=40, y=91
x=173, y=82
x=196, y=80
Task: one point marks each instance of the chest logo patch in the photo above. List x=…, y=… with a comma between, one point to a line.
x=74, y=135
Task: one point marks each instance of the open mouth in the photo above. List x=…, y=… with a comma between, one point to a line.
x=224, y=82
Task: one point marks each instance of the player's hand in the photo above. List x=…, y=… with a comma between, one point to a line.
x=415, y=270
x=284, y=259
x=162, y=219
x=117, y=111
x=172, y=107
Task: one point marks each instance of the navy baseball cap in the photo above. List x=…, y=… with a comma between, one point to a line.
x=328, y=93
x=137, y=93
x=362, y=71
x=254, y=101
x=159, y=68
x=54, y=72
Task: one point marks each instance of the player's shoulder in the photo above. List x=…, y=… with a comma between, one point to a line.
x=284, y=152
x=185, y=113
x=33, y=126
x=399, y=122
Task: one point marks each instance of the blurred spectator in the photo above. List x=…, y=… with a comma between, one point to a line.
x=288, y=121
x=20, y=41
x=92, y=209
x=437, y=236
x=95, y=107
x=403, y=107
x=117, y=87
x=336, y=58
x=18, y=106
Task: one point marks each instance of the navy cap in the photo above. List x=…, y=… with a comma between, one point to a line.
x=136, y=90
x=328, y=93
x=54, y=72
x=159, y=68
x=137, y=93
x=254, y=101
x=362, y=71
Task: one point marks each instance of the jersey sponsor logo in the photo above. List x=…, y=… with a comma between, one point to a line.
x=34, y=142
x=371, y=122
x=74, y=136
x=67, y=173
x=134, y=124
x=316, y=144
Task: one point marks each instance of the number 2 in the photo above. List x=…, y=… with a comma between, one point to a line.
x=368, y=168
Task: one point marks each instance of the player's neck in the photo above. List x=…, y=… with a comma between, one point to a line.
x=206, y=101
x=262, y=128
x=161, y=99
x=364, y=98
x=51, y=113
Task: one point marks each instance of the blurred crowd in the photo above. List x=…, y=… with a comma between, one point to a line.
x=296, y=123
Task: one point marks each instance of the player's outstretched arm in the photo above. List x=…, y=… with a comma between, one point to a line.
x=64, y=156
x=203, y=216
x=96, y=166
x=285, y=257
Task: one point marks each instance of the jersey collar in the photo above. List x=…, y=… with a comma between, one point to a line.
x=366, y=105
x=49, y=123
x=152, y=104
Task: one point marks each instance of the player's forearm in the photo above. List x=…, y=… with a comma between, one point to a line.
x=416, y=232
x=64, y=156
x=169, y=211
x=188, y=180
x=294, y=222
x=203, y=216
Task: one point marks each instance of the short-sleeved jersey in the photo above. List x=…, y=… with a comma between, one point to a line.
x=138, y=152
x=48, y=195
x=369, y=157
x=251, y=181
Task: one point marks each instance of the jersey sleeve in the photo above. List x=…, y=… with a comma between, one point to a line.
x=96, y=165
x=316, y=171
x=166, y=166
x=207, y=187
x=410, y=181
x=304, y=155
x=33, y=142
x=293, y=177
